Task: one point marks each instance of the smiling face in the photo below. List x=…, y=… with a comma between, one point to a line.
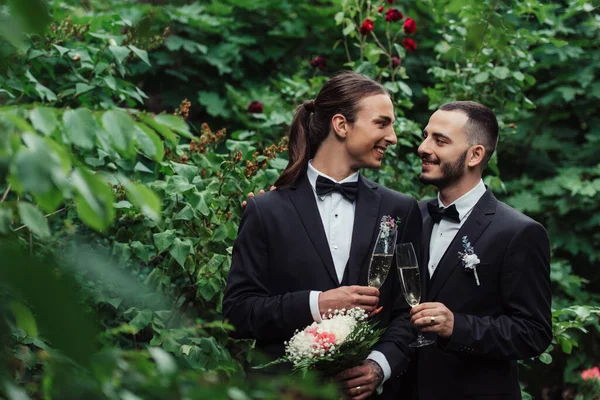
x=368, y=137
x=444, y=149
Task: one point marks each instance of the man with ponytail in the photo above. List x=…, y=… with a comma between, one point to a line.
x=304, y=247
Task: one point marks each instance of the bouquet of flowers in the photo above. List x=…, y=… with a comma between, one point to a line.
x=343, y=339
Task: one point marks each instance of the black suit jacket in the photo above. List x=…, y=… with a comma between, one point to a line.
x=281, y=254
x=505, y=319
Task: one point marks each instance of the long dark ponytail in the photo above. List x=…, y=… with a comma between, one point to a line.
x=312, y=119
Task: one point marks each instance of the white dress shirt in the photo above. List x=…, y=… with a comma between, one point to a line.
x=444, y=232
x=337, y=215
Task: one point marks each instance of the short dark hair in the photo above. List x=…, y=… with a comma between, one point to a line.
x=481, y=126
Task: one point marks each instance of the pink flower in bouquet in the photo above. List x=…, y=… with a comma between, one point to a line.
x=255, y=107
x=393, y=15
x=592, y=373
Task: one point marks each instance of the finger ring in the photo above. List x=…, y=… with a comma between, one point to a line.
x=432, y=322
x=358, y=390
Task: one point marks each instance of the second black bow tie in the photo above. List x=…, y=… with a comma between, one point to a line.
x=437, y=213
x=325, y=186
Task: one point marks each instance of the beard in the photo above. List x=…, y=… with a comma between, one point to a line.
x=451, y=173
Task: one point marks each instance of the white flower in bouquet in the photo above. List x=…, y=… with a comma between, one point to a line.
x=342, y=339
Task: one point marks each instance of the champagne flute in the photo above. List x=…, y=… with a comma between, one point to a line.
x=381, y=259
x=410, y=280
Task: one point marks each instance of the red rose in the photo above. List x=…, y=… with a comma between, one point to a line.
x=367, y=27
x=256, y=107
x=393, y=15
x=380, y=9
x=319, y=62
x=396, y=61
x=409, y=44
x=410, y=26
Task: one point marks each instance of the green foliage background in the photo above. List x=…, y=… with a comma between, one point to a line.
x=119, y=203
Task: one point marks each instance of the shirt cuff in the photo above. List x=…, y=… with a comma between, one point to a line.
x=380, y=359
x=314, y=305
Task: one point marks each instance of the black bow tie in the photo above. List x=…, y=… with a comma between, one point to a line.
x=437, y=213
x=348, y=190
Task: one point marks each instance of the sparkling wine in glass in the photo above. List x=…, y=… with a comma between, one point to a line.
x=381, y=259
x=410, y=280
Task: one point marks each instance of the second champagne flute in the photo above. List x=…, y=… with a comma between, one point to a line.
x=410, y=280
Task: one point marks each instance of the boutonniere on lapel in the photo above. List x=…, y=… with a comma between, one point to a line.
x=468, y=258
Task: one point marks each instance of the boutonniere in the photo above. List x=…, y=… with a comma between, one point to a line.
x=468, y=258
x=388, y=226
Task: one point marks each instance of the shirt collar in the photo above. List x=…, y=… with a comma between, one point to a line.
x=314, y=173
x=467, y=201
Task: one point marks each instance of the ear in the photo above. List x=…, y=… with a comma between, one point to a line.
x=475, y=156
x=339, y=124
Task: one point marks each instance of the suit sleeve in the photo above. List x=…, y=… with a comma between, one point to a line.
x=248, y=302
x=525, y=328
x=400, y=332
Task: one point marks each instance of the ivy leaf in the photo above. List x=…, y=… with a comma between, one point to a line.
x=164, y=239
x=160, y=128
x=81, y=127
x=215, y=105
x=188, y=171
x=141, y=320
x=546, y=358
x=181, y=249
x=34, y=219
x=186, y=214
x=61, y=50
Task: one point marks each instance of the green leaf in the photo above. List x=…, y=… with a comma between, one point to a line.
x=164, y=131
x=142, y=54
x=215, y=105
x=546, y=358
x=34, y=219
x=188, y=171
x=80, y=127
x=120, y=52
x=177, y=124
x=94, y=199
x=120, y=128
x=181, y=249
x=43, y=120
x=186, y=214
x=349, y=29
x=501, y=72
x=177, y=184
x=405, y=88
x=149, y=142
x=164, y=240
x=144, y=199
x=24, y=318
x=141, y=320
x=481, y=77
x=165, y=364
x=373, y=53
x=61, y=50
x=81, y=88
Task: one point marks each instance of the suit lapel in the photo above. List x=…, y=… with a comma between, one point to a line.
x=303, y=198
x=365, y=229
x=476, y=223
x=426, y=240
